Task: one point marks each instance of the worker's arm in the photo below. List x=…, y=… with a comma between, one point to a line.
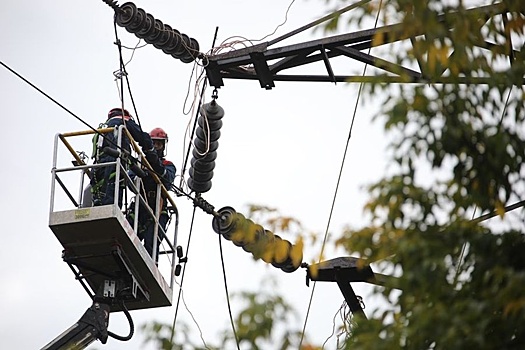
x=169, y=172
x=162, y=167
x=142, y=138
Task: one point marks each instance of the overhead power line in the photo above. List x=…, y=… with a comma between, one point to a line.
x=46, y=95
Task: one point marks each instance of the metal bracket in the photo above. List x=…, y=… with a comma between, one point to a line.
x=109, y=289
x=343, y=270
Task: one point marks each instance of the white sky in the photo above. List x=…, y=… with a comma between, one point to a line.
x=281, y=148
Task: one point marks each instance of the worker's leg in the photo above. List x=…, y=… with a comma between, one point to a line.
x=149, y=233
x=98, y=186
x=109, y=178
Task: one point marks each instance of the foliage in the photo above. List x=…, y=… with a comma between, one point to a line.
x=161, y=335
x=257, y=324
x=457, y=149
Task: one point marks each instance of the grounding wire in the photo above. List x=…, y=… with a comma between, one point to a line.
x=338, y=181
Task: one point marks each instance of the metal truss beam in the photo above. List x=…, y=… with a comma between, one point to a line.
x=259, y=62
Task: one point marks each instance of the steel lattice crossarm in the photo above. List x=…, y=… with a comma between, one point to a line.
x=265, y=64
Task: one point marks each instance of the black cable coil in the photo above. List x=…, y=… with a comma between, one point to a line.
x=153, y=31
x=253, y=238
x=205, y=147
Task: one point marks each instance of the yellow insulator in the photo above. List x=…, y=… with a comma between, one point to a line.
x=296, y=252
x=241, y=227
x=266, y=247
x=281, y=250
x=252, y=237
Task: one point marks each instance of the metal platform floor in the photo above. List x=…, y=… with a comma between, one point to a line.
x=101, y=244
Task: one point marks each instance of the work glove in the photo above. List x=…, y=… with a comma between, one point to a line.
x=148, y=148
x=154, y=161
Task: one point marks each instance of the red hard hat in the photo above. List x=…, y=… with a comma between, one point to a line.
x=118, y=112
x=158, y=134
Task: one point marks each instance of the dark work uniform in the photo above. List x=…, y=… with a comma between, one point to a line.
x=103, y=179
x=146, y=224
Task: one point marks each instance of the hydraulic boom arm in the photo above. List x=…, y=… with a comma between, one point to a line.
x=91, y=326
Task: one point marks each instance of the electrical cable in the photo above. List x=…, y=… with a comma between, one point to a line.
x=279, y=25
x=133, y=49
x=182, y=277
x=338, y=183
x=192, y=317
x=333, y=329
x=138, y=46
x=198, y=79
x=230, y=44
x=49, y=97
x=113, y=143
x=201, y=101
x=131, y=326
x=124, y=73
x=319, y=21
x=227, y=293
x=194, y=128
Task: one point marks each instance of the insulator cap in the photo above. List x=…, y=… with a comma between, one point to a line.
x=224, y=224
x=205, y=148
x=153, y=31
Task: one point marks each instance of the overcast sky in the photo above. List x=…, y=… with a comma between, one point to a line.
x=281, y=148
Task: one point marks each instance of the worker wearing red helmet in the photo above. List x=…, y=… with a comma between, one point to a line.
x=165, y=170
x=103, y=179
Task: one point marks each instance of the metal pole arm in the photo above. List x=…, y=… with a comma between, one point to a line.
x=92, y=325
